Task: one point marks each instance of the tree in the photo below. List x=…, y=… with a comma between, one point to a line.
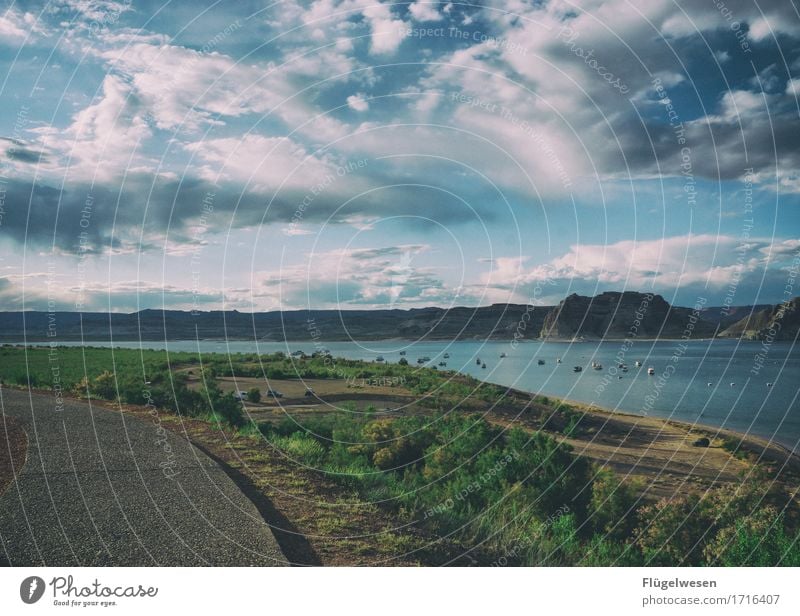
x=253, y=395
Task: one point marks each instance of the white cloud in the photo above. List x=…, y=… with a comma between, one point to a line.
x=104, y=138
x=387, y=31
x=425, y=11
x=771, y=25
x=364, y=277
x=265, y=163
x=16, y=26
x=664, y=264
x=357, y=102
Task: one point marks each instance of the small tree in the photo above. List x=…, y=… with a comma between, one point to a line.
x=253, y=395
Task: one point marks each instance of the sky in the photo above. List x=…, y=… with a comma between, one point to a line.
x=359, y=154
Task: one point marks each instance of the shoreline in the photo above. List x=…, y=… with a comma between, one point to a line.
x=749, y=441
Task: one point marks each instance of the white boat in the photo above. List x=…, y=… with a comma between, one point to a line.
x=638, y=364
x=651, y=371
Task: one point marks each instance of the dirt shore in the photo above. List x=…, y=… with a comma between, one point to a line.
x=659, y=455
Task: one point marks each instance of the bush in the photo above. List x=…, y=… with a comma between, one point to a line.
x=613, y=507
x=253, y=395
x=756, y=540
x=105, y=385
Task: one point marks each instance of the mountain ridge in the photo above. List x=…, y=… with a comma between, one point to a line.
x=607, y=315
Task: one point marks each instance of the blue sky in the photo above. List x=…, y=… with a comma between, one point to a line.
x=356, y=154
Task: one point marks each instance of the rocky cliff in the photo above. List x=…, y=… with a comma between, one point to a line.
x=780, y=322
x=621, y=315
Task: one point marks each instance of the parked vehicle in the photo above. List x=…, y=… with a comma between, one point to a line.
x=274, y=393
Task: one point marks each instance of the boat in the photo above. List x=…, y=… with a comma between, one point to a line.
x=577, y=369
x=478, y=361
x=598, y=366
x=442, y=363
x=541, y=362
x=402, y=352
x=651, y=371
x=379, y=358
x=502, y=355
x=558, y=361
x=483, y=365
x=446, y=355
x=638, y=364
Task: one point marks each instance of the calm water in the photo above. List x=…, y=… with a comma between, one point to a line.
x=708, y=382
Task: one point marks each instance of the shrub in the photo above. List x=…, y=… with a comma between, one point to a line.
x=613, y=506
x=253, y=395
x=756, y=540
x=671, y=532
x=105, y=385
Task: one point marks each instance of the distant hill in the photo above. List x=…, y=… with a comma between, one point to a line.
x=499, y=321
x=621, y=315
x=609, y=315
x=780, y=322
x=725, y=316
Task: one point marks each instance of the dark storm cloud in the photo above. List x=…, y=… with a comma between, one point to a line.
x=144, y=213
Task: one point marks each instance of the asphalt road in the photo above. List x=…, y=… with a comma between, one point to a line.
x=101, y=488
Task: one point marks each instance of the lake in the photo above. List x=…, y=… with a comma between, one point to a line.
x=738, y=385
